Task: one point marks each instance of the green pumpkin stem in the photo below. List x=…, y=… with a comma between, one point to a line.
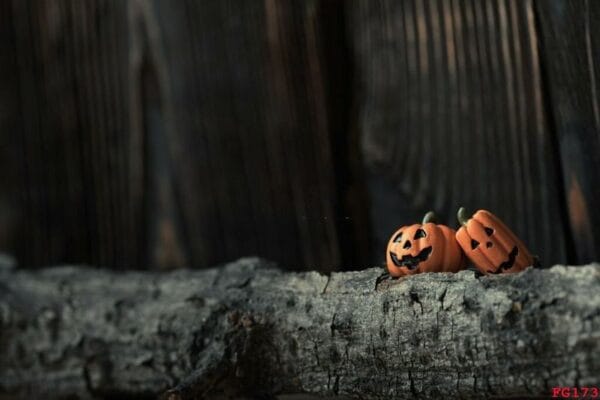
x=429, y=217
x=462, y=216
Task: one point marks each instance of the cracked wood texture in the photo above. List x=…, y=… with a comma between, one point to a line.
x=249, y=328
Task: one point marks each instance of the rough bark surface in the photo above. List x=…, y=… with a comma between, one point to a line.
x=247, y=328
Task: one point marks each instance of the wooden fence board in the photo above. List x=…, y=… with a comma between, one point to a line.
x=251, y=159
x=157, y=134
x=76, y=197
x=166, y=134
x=453, y=114
x=571, y=56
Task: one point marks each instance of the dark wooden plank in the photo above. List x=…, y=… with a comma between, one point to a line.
x=10, y=119
x=251, y=160
x=453, y=114
x=571, y=57
x=164, y=134
x=76, y=165
x=352, y=206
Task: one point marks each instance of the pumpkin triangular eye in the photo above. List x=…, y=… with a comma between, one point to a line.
x=398, y=237
x=420, y=233
x=474, y=244
x=489, y=231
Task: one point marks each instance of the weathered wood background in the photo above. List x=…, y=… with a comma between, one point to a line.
x=164, y=134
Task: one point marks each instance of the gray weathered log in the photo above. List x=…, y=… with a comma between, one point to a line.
x=248, y=328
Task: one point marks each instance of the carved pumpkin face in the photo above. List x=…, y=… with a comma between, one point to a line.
x=490, y=245
x=425, y=247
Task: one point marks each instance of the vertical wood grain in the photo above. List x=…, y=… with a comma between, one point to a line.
x=10, y=119
x=252, y=163
x=78, y=202
x=168, y=134
x=157, y=134
x=571, y=56
x=453, y=114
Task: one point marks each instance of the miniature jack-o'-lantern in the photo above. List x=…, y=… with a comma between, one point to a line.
x=490, y=245
x=424, y=247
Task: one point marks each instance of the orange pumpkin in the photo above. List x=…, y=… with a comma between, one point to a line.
x=424, y=247
x=490, y=245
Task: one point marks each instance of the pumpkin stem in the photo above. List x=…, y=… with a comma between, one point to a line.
x=462, y=217
x=429, y=217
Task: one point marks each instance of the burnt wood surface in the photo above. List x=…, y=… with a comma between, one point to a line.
x=164, y=134
x=454, y=115
x=249, y=329
x=159, y=134
x=571, y=56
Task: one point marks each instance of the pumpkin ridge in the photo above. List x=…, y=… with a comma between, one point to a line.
x=454, y=250
x=491, y=219
x=445, y=252
x=424, y=253
x=435, y=232
x=481, y=252
x=490, y=244
x=508, y=232
x=416, y=246
x=484, y=220
x=448, y=252
x=524, y=258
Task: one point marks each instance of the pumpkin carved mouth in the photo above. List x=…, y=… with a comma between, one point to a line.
x=411, y=262
x=508, y=264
